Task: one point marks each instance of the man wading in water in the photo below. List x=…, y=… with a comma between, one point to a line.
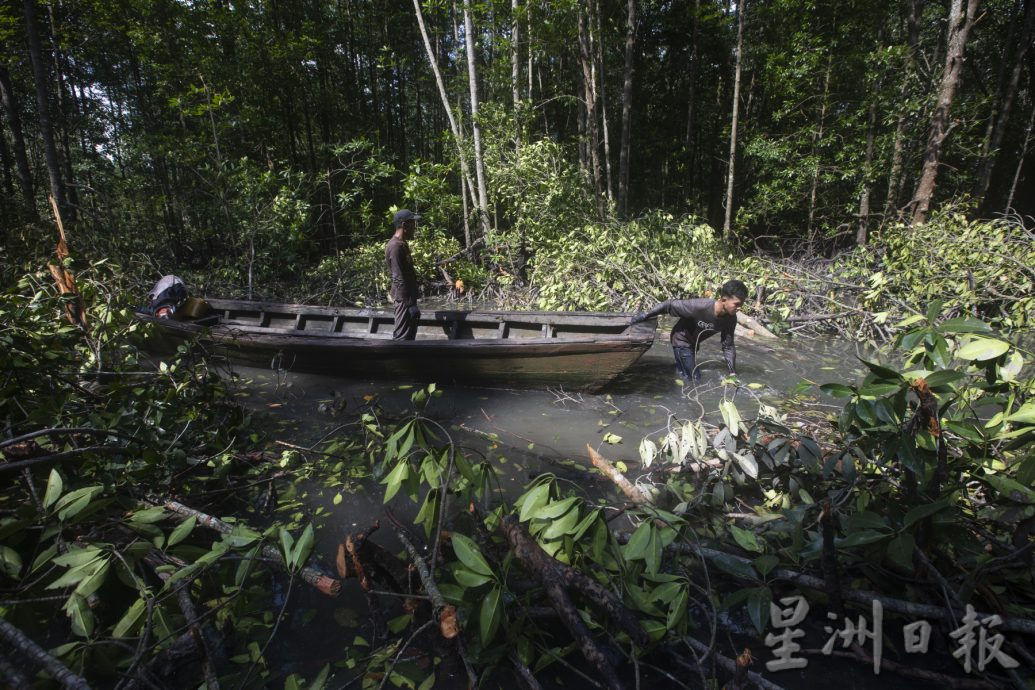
x=699, y=319
x=404, y=279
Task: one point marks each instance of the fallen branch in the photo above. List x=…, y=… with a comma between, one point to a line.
x=730, y=665
x=20, y=643
x=448, y=623
x=806, y=318
x=859, y=596
x=558, y=579
x=753, y=325
x=155, y=560
x=321, y=581
x=628, y=488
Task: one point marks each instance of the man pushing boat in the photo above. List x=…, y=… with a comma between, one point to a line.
x=700, y=319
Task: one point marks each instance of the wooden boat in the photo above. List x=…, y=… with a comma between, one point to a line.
x=508, y=349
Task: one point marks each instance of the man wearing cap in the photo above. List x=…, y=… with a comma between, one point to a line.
x=404, y=279
x=699, y=319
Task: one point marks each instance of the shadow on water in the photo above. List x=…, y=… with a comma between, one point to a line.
x=524, y=433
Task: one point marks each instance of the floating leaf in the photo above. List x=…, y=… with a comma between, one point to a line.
x=613, y=439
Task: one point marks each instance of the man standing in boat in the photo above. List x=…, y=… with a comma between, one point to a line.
x=404, y=279
x=699, y=319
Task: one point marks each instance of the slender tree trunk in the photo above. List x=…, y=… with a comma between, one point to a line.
x=21, y=158
x=862, y=230
x=458, y=135
x=589, y=95
x=727, y=223
x=1020, y=161
x=817, y=138
x=57, y=189
x=627, y=96
x=916, y=9
x=599, y=54
x=961, y=20
x=1003, y=117
x=515, y=54
x=62, y=118
x=476, y=127
x=691, y=96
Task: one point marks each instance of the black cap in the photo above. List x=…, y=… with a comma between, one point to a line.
x=403, y=215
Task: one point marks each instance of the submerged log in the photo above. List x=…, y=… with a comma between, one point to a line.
x=754, y=326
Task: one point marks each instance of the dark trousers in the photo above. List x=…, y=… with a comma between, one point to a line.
x=686, y=363
x=407, y=316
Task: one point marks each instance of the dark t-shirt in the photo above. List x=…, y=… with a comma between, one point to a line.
x=697, y=321
x=400, y=267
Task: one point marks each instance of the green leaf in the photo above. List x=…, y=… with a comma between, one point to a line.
x=900, y=551
x=758, y=607
x=837, y=390
x=964, y=324
x=861, y=538
x=92, y=583
x=490, y=616
x=747, y=539
x=395, y=479
x=920, y=512
x=130, y=619
x=182, y=530
x=10, y=562
x=981, y=349
x=241, y=536
x=636, y=547
x=882, y=372
x=613, y=439
x=1010, y=488
x=76, y=556
x=1024, y=414
x=71, y=504
x=147, y=516
x=555, y=509
x=54, y=488
x=468, y=553
x=940, y=378
x=470, y=580
x=563, y=525
x=303, y=547
x=733, y=566
x=80, y=615
x=532, y=500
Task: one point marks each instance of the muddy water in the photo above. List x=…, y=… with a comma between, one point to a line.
x=524, y=433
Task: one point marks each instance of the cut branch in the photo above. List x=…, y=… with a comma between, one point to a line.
x=21, y=644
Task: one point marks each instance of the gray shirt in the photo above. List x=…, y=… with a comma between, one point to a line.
x=697, y=322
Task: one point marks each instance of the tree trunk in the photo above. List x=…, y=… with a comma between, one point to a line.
x=1003, y=117
x=599, y=57
x=57, y=189
x=62, y=110
x=627, y=93
x=472, y=78
x=960, y=23
x=515, y=54
x=589, y=97
x=817, y=138
x=1020, y=160
x=862, y=230
x=691, y=96
x=458, y=135
x=727, y=231
x=916, y=10
x=21, y=159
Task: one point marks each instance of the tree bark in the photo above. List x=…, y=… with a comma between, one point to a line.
x=691, y=95
x=961, y=20
x=1020, y=161
x=21, y=159
x=472, y=79
x=599, y=61
x=589, y=99
x=627, y=95
x=1003, y=117
x=458, y=135
x=817, y=138
x=862, y=229
x=57, y=188
x=727, y=223
x=916, y=9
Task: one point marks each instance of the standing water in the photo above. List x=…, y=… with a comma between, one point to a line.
x=524, y=433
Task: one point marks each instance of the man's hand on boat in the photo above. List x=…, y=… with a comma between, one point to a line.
x=414, y=311
x=639, y=317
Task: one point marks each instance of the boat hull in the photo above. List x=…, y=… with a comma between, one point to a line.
x=577, y=351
